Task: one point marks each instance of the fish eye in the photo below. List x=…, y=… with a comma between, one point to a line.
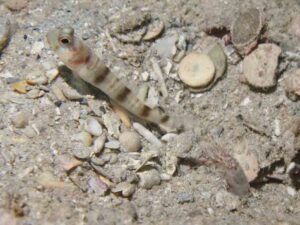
x=65, y=41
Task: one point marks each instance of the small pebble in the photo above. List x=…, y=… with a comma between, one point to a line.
x=29, y=132
x=81, y=153
x=20, y=120
x=149, y=178
x=125, y=188
x=291, y=191
x=58, y=93
x=70, y=93
x=145, y=75
x=154, y=31
x=97, y=185
x=196, y=70
x=112, y=145
x=260, y=66
x=292, y=84
x=227, y=200
x=98, y=161
x=130, y=141
x=185, y=198
x=16, y=5
x=35, y=93
x=93, y=127
x=99, y=144
x=84, y=137
x=19, y=87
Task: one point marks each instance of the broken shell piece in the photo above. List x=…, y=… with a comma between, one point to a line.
x=93, y=127
x=5, y=32
x=218, y=57
x=70, y=93
x=19, y=87
x=154, y=31
x=245, y=30
x=35, y=93
x=38, y=80
x=292, y=84
x=260, y=66
x=149, y=178
x=125, y=188
x=196, y=70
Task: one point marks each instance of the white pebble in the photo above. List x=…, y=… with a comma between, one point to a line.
x=93, y=127
x=277, y=127
x=291, y=191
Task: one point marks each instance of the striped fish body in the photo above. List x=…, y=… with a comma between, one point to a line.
x=87, y=65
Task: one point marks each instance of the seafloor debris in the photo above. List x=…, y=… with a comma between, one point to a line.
x=218, y=57
x=246, y=29
x=154, y=30
x=131, y=26
x=292, y=84
x=260, y=66
x=196, y=70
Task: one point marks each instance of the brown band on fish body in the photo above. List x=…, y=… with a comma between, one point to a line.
x=101, y=74
x=122, y=95
x=145, y=111
x=78, y=60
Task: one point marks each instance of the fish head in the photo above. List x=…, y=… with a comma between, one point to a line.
x=63, y=42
